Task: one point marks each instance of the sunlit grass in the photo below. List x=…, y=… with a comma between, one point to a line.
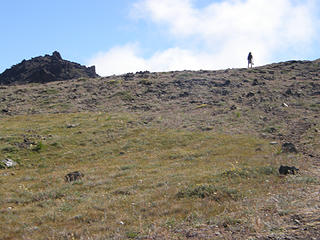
x=136, y=177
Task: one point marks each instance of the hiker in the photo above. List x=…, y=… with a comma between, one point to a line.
x=250, y=62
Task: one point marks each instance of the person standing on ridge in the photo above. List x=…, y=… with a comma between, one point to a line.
x=250, y=62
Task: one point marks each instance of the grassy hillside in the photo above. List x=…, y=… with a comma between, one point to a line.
x=138, y=179
x=182, y=155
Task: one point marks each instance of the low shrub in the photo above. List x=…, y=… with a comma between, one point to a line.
x=212, y=192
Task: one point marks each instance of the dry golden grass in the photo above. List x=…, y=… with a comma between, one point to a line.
x=138, y=178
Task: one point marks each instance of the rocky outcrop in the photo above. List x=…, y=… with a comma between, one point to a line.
x=45, y=69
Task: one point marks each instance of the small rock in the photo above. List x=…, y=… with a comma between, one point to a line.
x=297, y=221
x=285, y=105
x=206, y=128
x=184, y=94
x=191, y=234
x=250, y=94
x=233, y=107
x=255, y=82
x=289, y=148
x=8, y=163
x=271, y=130
x=264, y=135
x=273, y=143
x=73, y=176
x=72, y=125
x=284, y=170
x=289, y=92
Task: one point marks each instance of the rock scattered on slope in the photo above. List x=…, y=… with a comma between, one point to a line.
x=289, y=147
x=7, y=163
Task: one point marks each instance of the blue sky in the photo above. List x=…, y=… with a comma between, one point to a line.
x=120, y=36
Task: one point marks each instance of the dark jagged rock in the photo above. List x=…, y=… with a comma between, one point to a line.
x=250, y=94
x=45, y=69
x=73, y=176
x=284, y=170
x=289, y=148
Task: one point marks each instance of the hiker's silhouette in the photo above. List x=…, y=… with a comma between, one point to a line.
x=250, y=60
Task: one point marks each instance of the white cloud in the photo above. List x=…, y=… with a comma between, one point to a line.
x=118, y=60
x=224, y=31
x=231, y=18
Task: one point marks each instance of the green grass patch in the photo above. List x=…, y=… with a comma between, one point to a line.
x=135, y=175
x=146, y=82
x=125, y=96
x=212, y=192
